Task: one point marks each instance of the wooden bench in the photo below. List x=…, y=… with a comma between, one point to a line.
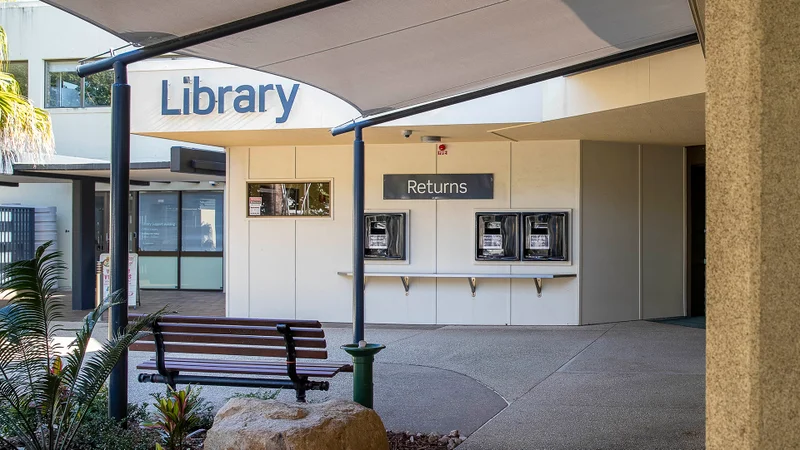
x=289, y=339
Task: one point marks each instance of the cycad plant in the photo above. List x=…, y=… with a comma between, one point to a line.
x=45, y=390
x=25, y=131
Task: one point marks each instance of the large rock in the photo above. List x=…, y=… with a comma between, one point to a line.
x=253, y=424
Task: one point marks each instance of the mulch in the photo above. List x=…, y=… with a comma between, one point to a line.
x=419, y=441
x=397, y=441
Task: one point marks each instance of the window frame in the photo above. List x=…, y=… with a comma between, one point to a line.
x=81, y=87
x=328, y=216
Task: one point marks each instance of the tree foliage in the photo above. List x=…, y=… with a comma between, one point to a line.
x=25, y=131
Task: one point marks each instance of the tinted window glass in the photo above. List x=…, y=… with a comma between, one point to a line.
x=289, y=199
x=202, y=222
x=158, y=221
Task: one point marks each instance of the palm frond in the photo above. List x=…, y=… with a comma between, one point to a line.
x=25, y=131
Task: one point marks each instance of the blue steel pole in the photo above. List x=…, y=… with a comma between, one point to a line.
x=358, y=237
x=120, y=179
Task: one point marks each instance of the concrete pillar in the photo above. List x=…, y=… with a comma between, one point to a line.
x=753, y=242
x=83, y=253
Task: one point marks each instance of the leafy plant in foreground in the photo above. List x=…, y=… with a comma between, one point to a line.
x=177, y=415
x=46, y=390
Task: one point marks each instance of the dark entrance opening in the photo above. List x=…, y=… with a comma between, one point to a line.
x=696, y=176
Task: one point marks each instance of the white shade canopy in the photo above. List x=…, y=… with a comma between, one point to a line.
x=381, y=55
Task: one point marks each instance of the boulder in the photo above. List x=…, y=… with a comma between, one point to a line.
x=254, y=424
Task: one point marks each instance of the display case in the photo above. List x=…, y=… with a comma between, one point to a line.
x=496, y=236
x=385, y=236
x=545, y=236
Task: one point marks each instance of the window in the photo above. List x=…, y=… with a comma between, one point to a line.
x=158, y=221
x=289, y=199
x=65, y=89
x=19, y=69
x=201, y=224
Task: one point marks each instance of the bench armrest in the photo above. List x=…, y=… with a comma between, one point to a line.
x=161, y=356
x=291, y=353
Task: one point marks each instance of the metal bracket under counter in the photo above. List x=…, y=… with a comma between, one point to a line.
x=472, y=278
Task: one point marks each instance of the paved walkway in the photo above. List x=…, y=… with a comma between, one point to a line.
x=633, y=385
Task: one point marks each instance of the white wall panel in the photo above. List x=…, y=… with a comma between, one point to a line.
x=545, y=175
x=385, y=299
x=237, y=244
x=272, y=267
x=455, y=246
x=324, y=245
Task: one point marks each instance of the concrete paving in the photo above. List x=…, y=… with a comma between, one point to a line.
x=633, y=385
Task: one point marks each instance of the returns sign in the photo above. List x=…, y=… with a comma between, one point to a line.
x=459, y=186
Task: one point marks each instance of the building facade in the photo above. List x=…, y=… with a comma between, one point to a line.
x=564, y=202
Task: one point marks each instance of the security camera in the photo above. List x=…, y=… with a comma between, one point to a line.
x=407, y=133
x=212, y=183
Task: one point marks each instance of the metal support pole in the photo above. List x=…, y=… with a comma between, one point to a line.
x=358, y=237
x=120, y=178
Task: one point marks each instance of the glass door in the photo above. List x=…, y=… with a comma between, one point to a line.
x=157, y=240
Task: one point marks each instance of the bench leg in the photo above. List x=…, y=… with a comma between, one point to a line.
x=300, y=390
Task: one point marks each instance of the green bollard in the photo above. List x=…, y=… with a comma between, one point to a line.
x=362, y=371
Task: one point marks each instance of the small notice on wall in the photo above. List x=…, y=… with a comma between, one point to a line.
x=539, y=242
x=492, y=242
x=255, y=206
x=378, y=241
x=133, y=278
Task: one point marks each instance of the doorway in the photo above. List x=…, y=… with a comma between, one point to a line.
x=696, y=224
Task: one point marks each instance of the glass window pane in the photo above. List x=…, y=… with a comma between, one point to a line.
x=19, y=69
x=289, y=199
x=63, y=87
x=202, y=219
x=158, y=221
x=158, y=272
x=98, y=89
x=201, y=272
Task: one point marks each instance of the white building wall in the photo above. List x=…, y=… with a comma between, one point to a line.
x=287, y=267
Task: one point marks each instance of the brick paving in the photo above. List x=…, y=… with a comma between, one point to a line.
x=195, y=303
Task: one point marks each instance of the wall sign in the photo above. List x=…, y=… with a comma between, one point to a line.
x=203, y=100
x=459, y=186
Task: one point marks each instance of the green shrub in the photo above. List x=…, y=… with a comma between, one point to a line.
x=178, y=413
x=101, y=433
x=45, y=398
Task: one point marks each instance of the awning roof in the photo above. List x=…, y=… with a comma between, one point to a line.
x=380, y=55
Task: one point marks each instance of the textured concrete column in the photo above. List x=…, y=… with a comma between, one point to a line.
x=753, y=242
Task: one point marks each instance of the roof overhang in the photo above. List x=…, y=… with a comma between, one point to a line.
x=391, y=54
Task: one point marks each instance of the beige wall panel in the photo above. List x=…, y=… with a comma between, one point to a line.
x=546, y=175
x=386, y=301
x=271, y=268
x=455, y=245
x=608, y=88
x=610, y=232
x=663, y=229
x=272, y=163
x=324, y=245
x=677, y=73
x=237, y=235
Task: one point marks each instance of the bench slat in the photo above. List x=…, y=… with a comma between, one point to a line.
x=238, y=340
x=141, y=346
x=322, y=372
x=239, y=330
x=282, y=363
x=236, y=321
